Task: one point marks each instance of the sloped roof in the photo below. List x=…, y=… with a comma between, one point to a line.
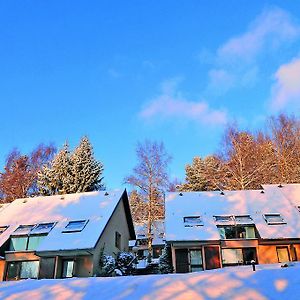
x=96, y=207
x=247, y=202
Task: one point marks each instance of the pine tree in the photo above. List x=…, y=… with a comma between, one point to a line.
x=86, y=170
x=165, y=261
x=72, y=172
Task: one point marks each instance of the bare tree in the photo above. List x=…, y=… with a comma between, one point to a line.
x=248, y=159
x=20, y=172
x=150, y=178
x=285, y=132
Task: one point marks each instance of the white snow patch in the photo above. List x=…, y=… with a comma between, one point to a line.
x=268, y=282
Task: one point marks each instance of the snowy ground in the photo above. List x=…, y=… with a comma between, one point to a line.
x=268, y=282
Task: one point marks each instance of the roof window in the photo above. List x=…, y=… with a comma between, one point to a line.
x=192, y=221
x=274, y=219
x=42, y=228
x=2, y=229
x=75, y=226
x=23, y=229
x=223, y=219
x=233, y=219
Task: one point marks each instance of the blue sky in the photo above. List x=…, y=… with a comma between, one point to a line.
x=124, y=71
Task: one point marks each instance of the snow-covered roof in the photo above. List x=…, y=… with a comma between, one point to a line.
x=96, y=207
x=2, y=206
x=158, y=231
x=248, y=202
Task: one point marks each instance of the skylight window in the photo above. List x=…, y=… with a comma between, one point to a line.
x=192, y=221
x=244, y=219
x=2, y=229
x=42, y=228
x=23, y=229
x=274, y=219
x=223, y=219
x=75, y=226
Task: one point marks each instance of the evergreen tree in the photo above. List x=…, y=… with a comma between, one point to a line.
x=57, y=178
x=72, y=172
x=86, y=170
x=165, y=261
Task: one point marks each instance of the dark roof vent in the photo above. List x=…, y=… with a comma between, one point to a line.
x=280, y=185
x=25, y=201
x=262, y=192
x=106, y=194
x=222, y=193
x=180, y=194
x=62, y=197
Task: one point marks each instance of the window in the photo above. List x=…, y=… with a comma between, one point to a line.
x=42, y=228
x=22, y=270
x=23, y=229
x=3, y=228
x=18, y=243
x=75, y=226
x=238, y=256
x=237, y=232
x=192, y=221
x=244, y=219
x=223, y=219
x=274, y=219
x=29, y=269
x=196, y=260
x=157, y=252
x=283, y=254
x=234, y=219
x=67, y=268
x=118, y=240
x=34, y=241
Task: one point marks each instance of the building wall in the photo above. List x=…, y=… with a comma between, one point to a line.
x=2, y=269
x=267, y=254
x=117, y=222
x=84, y=266
x=21, y=256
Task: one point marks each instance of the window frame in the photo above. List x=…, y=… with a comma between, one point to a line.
x=19, y=269
x=5, y=228
x=118, y=237
x=193, y=221
x=271, y=215
x=71, y=230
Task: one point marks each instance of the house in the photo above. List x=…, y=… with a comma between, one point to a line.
x=62, y=236
x=208, y=230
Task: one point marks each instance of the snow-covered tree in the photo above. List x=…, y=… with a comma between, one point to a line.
x=57, y=178
x=72, y=172
x=124, y=262
x=165, y=261
x=86, y=170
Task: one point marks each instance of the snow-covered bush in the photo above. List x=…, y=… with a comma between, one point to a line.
x=107, y=264
x=124, y=262
x=165, y=261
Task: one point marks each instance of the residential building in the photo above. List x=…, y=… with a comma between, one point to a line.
x=62, y=236
x=208, y=230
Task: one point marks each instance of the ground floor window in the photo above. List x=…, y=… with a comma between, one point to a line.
x=157, y=252
x=22, y=270
x=238, y=256
x=188, y=260
x=196, y=263
x=67, y=268
x=283, y=254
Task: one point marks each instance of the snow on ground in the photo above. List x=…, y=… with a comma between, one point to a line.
x=268, y=282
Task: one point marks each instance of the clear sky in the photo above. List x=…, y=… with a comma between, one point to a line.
x=124, y=71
